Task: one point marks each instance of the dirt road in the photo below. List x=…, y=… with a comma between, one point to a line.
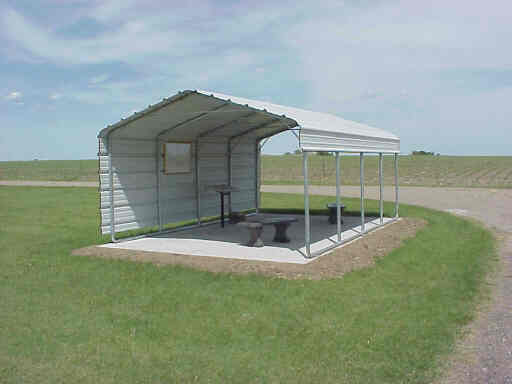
x=485, y=356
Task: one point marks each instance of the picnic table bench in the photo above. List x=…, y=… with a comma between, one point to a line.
x=333, y=214
x=255, y=227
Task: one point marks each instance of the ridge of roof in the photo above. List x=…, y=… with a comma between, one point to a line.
x=306, y=119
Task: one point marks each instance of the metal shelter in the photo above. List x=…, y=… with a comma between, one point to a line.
x=159, y=165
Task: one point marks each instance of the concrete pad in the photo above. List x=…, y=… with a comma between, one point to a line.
x=229, y=242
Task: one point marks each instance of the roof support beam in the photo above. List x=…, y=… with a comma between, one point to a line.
x=259, y=126
x=273, y=133
x=247, y=131
x=265, y=140
x=219, y=127
x=195, y=118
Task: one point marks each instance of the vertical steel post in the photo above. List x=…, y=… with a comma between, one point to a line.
x=381, y=198
x=338, y=210
x=230, y=179
x=198, y=185
x=158, y=159
x=361, y=176
x=307, y=233
x=111, y=181
x=257, y=176
x=396, y=185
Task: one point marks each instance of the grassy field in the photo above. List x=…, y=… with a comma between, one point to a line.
x=54, y=170
x=76, y=319
x=437, y=171
x=431, y=171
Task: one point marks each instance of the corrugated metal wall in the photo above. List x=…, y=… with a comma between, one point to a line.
x=135, y=183
x=135, y=198
x=243, y=175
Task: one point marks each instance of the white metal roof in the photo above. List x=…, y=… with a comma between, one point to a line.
x=196, y=114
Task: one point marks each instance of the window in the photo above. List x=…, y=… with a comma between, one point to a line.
x=177, y=157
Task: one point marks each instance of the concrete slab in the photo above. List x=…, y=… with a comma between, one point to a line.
x=229, y=242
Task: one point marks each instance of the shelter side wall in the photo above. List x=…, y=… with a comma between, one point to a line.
x=178, y=191
x=178, y=194
x=244, y=176
x=135, y=183
x=134, y=180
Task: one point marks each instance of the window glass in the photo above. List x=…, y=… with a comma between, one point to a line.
x=178, y=158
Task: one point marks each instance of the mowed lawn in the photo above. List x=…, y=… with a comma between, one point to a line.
x=74, y=319
x=436, y=171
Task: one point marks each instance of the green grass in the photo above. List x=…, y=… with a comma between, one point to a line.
x=436, y=171
x=76, y=319
x=51, y=170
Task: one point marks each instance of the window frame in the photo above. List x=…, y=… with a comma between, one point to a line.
x=165, y=170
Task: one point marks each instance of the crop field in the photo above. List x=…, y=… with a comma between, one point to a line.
x=51, y=170
x=67, y=318
x=431, y=171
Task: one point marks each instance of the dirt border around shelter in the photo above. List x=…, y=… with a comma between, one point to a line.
x=358, y=254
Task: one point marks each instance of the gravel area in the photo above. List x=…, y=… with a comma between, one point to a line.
x=485, y=354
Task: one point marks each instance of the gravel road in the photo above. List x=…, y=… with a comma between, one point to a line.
x=485, y=355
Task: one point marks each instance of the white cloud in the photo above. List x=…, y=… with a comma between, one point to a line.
x=143, y=35
x=132, y=40
x=380, y=60
x=14, y=96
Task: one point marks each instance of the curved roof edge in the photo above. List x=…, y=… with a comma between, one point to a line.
x=144, y=112
x=319, y=131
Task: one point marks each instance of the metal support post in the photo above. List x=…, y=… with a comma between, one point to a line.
x=111, y=180
x=396, y=185
x=338, y=210
x=230, y=176
x=158, y=160
x=198, y=185
x=257, y=176
x=361, y=176
x=307, y=233
x=381, y=202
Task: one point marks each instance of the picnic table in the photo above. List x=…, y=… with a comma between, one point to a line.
x=255, y=227
x=223, y=190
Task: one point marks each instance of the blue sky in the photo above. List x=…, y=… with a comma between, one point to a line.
x=436, y=73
